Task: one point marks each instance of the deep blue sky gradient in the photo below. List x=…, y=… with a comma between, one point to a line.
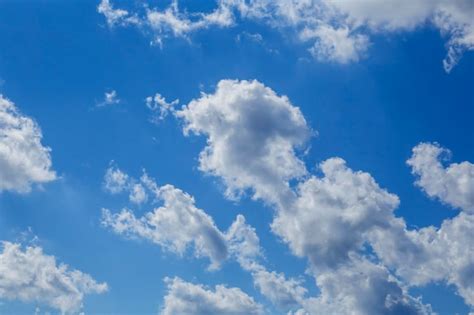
x=57, y=58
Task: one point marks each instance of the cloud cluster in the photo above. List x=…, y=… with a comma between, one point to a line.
x=193, y=299
x=337, y=31
x=360, y=254
x=453, y=185
x=341, y=221
x=160, y=106
x=440, y=254
x=176, y=225
x=24, y=161
x=116, y=181
x=28, y=275
x=168, y=22
x=252, y=135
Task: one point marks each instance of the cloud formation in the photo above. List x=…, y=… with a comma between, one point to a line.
x=24, y=160
x=453, y=185
x=193, y=299
x=336, y=219
x=176, y=226
x=252, y=135
x=28, y=275
x=336, y=31
x=159, y=106
x=110, y=98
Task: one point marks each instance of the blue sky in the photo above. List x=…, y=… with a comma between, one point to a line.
x=370, y=106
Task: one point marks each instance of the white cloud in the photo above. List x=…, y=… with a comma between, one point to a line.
x=160, y=106
x=116, y=16
x=360, y=254
x=252, y=136
x=115, y=181
x=138, y=194
x=330, y=223
x=110, y=98
x=452, y=18
x=439, y=254
x=244, y=246
x=453, y=184
x=185, y=298
x=389, y=15
x=362, y=287
x=284, y=293
x=342, y=206
x=334, y=219
x=167, y=22
x=177, y=224
x=357, y=286
x=336, y=44
x=24, y=161
x=340, y=29
x=243, y=242
x=28, y=275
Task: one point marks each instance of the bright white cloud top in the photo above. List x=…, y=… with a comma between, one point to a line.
x=29, y=275
x=337, y=31
x=24, y=160
x=252, y=137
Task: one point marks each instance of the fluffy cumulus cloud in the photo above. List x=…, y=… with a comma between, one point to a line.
x=362, y=287
x=342, y=221
x=186, y=298
x=330, y=223
x=24, y=160
x=176, y=226
x=343, y=207
x=252, y=134
x=443, y=254
x=244, y=245
x=452, y=18
x=29, y=275
x=337, y=31
x=440, y=254
x=453, y=184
